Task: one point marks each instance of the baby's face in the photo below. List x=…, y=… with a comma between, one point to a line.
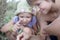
x=25, y=18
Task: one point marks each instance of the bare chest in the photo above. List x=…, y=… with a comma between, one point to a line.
x=49, y=17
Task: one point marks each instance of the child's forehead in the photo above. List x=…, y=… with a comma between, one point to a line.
x=25, y=13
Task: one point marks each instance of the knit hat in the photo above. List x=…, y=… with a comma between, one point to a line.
x=23, y=6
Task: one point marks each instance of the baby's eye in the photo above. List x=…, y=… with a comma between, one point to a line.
x=28, y=17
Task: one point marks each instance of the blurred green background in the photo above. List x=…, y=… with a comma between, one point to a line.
x=7, y=10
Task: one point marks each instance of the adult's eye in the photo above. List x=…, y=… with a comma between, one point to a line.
x=38, y=4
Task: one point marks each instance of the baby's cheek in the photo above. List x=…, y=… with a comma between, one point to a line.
x=28, y=20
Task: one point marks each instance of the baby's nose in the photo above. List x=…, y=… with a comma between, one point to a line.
x=24, y=19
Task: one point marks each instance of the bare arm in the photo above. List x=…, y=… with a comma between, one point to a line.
x=7, y=26
x=43, y=25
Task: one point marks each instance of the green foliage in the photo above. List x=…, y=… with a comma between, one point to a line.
x=11, y=7
x=9, y=15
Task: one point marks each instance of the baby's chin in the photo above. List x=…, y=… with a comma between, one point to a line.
x=24, y=24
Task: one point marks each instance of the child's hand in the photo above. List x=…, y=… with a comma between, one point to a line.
x=17, y=26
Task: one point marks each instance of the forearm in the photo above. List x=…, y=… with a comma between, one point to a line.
x=7, y=27
x=43, y=25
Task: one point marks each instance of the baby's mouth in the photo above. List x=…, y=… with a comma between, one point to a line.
x=23, y=23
